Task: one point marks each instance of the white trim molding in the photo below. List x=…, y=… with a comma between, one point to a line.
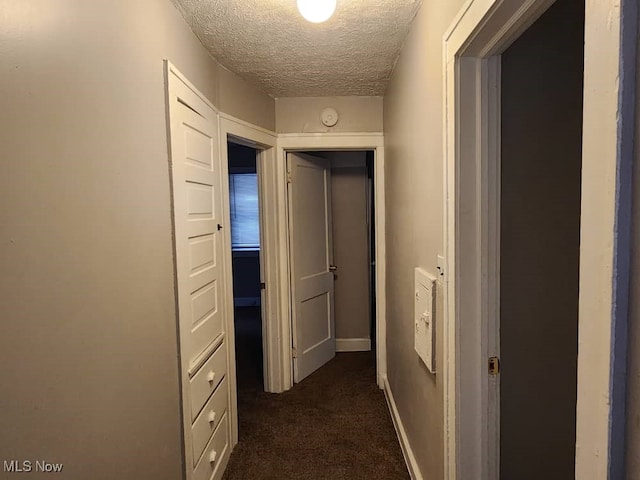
x=353, y=344
x=257, y=130
x=334, y=141
x=607, y=156
x=471, y=60
x=407, y=451
x=265, y=142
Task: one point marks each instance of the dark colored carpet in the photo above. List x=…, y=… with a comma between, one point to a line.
x=248, y=330
x=333, y=425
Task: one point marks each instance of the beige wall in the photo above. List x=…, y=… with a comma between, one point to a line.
x=302, y=114
x=350, y=244
x=240, y=99
x=633, y=386
x=414, y=197
x=540, y=245
x=88, y=331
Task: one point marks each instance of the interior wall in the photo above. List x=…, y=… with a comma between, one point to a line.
x=242, y=100
x=633, y=365
x=350, y=244
x=540, y=245
x=302, y=114
x=88, y=342
x=413, y=129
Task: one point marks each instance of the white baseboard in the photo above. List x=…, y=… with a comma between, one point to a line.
x=353, y=344
x=407, y=452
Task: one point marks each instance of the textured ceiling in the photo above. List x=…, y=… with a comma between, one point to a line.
x=268, y=43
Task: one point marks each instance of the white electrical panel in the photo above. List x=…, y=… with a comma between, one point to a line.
x=425, y=325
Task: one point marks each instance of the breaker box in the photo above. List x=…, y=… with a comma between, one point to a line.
x=424, y=317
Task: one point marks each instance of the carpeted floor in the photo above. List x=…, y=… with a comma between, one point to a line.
x=333, y=425
x=248, y=330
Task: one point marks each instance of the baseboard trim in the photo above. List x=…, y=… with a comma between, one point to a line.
x=353, y=344
x=407, y=452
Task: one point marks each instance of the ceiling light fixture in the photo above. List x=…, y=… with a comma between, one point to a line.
x=317, y=11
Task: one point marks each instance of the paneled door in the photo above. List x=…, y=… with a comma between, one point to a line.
x=197, y=216
x=311, y=262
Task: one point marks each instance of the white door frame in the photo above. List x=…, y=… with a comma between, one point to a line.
x=471, y=53
x=334, y=141
x=264, y=142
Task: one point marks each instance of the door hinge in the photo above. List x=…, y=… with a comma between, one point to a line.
x=289, y=180
x=494, y=366
x=263, y=286
x=294, y=353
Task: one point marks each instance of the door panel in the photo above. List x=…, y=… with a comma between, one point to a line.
x=197, y=207
x=311, y=184
x=196, y=193
x=311, y=257
x=316, y=332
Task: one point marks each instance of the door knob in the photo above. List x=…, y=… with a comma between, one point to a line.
x=332, y=268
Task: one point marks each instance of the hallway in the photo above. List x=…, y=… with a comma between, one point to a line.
x=116, y=292
x=333, y=425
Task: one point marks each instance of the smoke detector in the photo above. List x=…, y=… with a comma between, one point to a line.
x=329, y=117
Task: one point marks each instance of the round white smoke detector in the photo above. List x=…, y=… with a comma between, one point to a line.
x=329, y=117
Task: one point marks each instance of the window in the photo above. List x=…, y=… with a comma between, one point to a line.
x=245, y=218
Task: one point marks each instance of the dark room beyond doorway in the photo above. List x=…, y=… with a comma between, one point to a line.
x=245, y=245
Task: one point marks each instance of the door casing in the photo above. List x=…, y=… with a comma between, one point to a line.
x=264, y=141
x=471, y=61
x=337, y=142
x=275, y=271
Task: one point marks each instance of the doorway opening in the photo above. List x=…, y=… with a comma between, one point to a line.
x=513, y=179
x=244, y=209
x=539, y=244
x=331, y=219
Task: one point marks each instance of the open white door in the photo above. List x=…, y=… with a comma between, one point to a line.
x=311, y=263
x=201, y=281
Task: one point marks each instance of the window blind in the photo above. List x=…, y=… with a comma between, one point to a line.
x=245, y=219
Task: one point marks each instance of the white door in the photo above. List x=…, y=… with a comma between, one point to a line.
x=197, y=216
x=311, y=263
x=201, y=281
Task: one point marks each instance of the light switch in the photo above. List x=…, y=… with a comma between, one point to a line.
x=424, y=341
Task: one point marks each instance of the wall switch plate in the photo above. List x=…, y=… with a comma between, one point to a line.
x=424, y=317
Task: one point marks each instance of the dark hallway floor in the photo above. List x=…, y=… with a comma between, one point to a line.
x=248, y=332
x=333, y=425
